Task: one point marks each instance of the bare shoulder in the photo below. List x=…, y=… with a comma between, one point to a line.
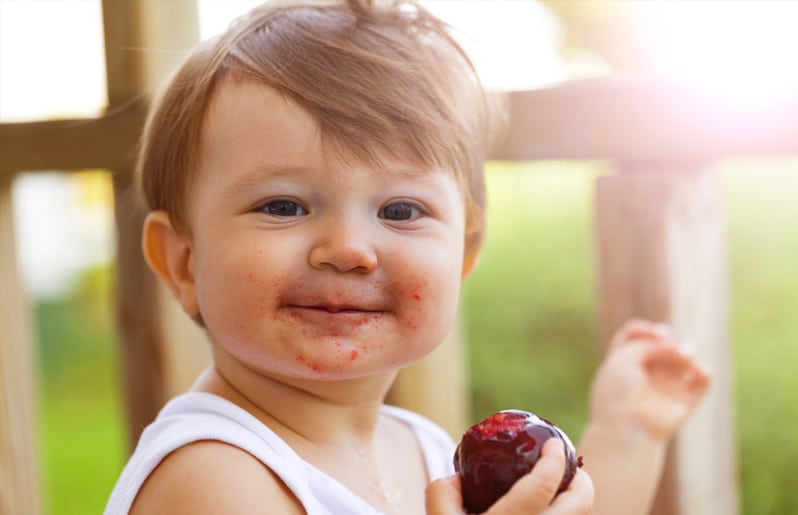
x=211, y=477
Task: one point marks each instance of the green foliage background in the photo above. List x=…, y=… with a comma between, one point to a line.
x=530, y=321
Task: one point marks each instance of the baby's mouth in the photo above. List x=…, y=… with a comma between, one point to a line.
x=337, y=308
x=334, y=308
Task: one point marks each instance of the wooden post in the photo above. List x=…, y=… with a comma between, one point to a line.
x=144, y=42
x=662, y=255
x=19, y=490
x=162, y=349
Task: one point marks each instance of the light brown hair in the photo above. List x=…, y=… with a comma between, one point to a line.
x=379, y=77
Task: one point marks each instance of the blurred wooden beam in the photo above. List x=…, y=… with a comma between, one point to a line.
x=19, y=481
x=626, y=120
x=107, y=142
x=662, y=256
x=643, y=120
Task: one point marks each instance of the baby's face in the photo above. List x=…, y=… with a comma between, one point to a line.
x=312, y=269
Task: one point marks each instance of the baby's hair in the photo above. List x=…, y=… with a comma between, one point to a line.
x=379, y=77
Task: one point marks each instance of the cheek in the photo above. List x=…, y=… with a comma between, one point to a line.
x=236, y=289
x=429, y=301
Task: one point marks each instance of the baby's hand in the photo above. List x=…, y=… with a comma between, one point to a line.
x=647, y=380
x=533, y=494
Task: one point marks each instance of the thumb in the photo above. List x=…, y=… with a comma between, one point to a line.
x=443, y=497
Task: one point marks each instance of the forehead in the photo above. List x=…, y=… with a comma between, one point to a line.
x=250, y=115
x=246, y=114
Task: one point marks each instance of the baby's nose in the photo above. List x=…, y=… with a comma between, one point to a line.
x=345, y=247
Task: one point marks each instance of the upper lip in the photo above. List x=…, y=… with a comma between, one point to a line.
x=336, y=307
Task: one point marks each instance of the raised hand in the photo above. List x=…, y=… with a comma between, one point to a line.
x=648, y=379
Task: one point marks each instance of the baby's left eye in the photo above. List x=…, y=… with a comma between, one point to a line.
x=400, y=212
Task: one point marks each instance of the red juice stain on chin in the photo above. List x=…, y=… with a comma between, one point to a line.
x=313, y=365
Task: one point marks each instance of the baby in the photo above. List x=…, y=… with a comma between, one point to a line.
x=315, y=181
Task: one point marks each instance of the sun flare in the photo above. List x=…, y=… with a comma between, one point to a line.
x=742, y=52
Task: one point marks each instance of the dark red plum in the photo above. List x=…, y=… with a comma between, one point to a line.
x=494, y=453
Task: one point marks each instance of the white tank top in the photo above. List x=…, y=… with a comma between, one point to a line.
x=198, y=416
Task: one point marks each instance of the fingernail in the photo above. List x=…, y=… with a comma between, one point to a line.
x=662, y=330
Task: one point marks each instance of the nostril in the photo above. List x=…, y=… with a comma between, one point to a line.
x=344, y=257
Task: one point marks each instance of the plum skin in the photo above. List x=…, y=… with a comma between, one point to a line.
x=494, y=453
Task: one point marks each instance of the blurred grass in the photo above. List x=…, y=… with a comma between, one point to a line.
x=764, y=251
x=530, y=321
x=82, y=438
x=528, y=303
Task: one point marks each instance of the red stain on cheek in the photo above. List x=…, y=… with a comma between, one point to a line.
x=417, y=292
x=411, y=322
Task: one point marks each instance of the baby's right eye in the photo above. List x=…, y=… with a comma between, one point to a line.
x=283, y=207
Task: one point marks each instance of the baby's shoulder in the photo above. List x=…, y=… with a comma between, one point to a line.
x=213, y=477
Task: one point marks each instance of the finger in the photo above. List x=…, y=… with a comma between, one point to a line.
x=680, y=372
x=641, y=329
x=679, y=360
x=698, y=379
x=694, y=375
x=534, y=492
x=443, y=497
x=577, y=500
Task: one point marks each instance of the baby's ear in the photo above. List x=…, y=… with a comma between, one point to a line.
x=474, y=234
x=471, y=256
x=469, y=262
x=168, y=252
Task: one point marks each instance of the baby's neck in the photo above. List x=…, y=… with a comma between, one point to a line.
x=302, y=412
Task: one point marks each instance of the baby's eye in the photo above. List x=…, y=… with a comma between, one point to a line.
x=283, y=207
x=400, y=212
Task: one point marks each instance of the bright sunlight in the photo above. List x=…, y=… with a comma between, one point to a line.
x=740, y=52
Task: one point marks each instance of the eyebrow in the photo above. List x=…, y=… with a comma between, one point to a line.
x=272, y=171
x=263, y=172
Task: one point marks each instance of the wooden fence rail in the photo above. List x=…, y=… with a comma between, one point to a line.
x=660, y=253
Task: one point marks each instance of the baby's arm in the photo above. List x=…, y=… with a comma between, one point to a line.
x=530, y=495
x=643, y=392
